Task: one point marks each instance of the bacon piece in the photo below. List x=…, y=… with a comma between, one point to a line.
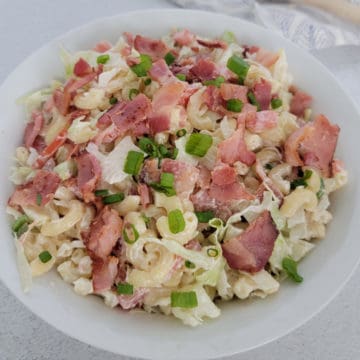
x=233, y=91
x=212, y=44
x=259, y=121
x=234, y=148
x=89, y=173
x=154, y=48
x=262, y=92
x=204, y=70
x=313, y=144
x=43, y=187
x=150, y=171
x=186, y=176
x=33, y=128
x=266, y=182
x=264, y=57
x=204, y=178
x=223, y=174
x=229, y=192
x=128, y=302
x=39, y=144
x=102, y=46
x=184, y=37
x=251, y=250
x=104, y=273
x=104, y=233
x=144, y=193
x=164, y=101
x=82, y=68
x=213, y=100
x=300, y=102
x=160, y=72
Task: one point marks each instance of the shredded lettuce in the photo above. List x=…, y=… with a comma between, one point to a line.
x=81, y=131
x=21, y=174
x=33, y=100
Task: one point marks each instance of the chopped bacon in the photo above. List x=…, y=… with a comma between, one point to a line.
x=184, y=37
x=154, y=48
x=150, y=171
x=233, y=91
x=33, y=128
x=82, y=68
x=264, y=57
x=313, y=144
x=259, y=121
x=164, y=101
x=212, y=44
x=61, y=100
x=144, y=193
x=223, y=174
x=128, y=302
x=262, y=92
x=104, y=233
x=89, y=173
x=39, y=144
x=204, y=178
x=104, y=272
x=251, y=250
x=229, y=192
x=102, y=46
x=234, y=148
x=189, y=90
x=42, y=186
x=266, y=182
x=160, y=72
x=186, y=176
x=213, y=100
x=300, y=102
x=204, y=70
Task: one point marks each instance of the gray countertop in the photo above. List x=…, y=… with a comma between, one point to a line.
x=333, y=334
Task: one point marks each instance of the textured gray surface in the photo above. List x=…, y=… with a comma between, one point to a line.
x=334, y=334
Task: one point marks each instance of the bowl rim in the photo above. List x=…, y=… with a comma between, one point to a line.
x=163, y=12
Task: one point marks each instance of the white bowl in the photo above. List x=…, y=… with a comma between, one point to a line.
x=243, y=325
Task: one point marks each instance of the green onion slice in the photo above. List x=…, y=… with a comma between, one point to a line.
x=253, y=100
x=101, y=192
x=276, y=103
x=290, y=266
x=184, y=299
x=181, y=133
x=212, y=252
x=130, y=234
x=176, y=221
x=133, y=162
x=113, y=100
x=301, y=181
x=143, y=67
x=216, y=82
x=148, y=146
x=321, y=191
x=38, y=199
x=181, y=77
x=189, y=264
x=204, y=216
x=45, y=257
x=113, y=198
x=124, y=289
x=169, y=58
x=133, y=93
x=19, y=222
x=234, y=105
x=167, y=179
x=103, y=59
x=238, y=66
x=147, y=81
x=198, y=144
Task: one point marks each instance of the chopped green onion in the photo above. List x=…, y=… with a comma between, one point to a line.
x=101, y=192
x=103, y=59
x=238, y=66
x=146, y=219
x=186, y=300
x=113, y=198
x=133, y=162
x=166, y=184
x=276, y=103
x=169, y=58
x=19, y=222
x=321, y=191
x=189, y=264
x=198, y=144
x=204, y=216
x=181, y=77
x=229, y=37
x=173, y=153
x=290, y=266
x=133, y=236
x=301, y=181
x=147, y=81
x=124, y=289
x=163, y=150
x=148, y=146
x=143, y=67
x=167, y=191
x=176, y=221
x=234, y=105
x=181, y=133
x=253, y=100
x=45, y=257
x=38, y=199
x=167, y=179
x=212, y=252
x=24, y=228
x=216, y=82
x=113, y=100
x=133, y=93
x=268, y=166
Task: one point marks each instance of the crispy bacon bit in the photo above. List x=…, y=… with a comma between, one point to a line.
x=102, y=46
x=251, y=250
x=233, y=91
x=264, y=57
x=104, y=273
x=82, y=68
x=212, y=44
x=89, y=173
x=223, y=174
x=260, y=121
x=184, y=37
x=154, y=48
x=33, y=128
x=204, y=70
x=160, y=72
x=300, y=102
x=229, y=192
x=144, y=193
x=262, y=92
x=128, y=302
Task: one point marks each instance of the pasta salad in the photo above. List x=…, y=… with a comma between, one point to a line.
x=169, y=174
